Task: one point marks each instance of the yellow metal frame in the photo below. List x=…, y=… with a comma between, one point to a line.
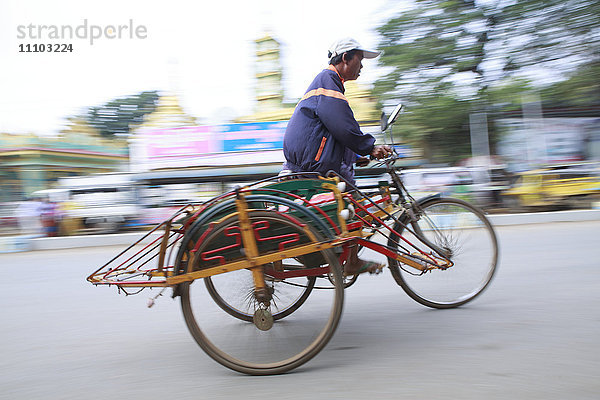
x=253, y=260
x=249, y=241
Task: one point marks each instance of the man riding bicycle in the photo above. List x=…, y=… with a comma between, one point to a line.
x=323, y=135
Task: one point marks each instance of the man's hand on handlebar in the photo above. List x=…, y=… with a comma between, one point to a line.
x=381, y=151
x=378, y=152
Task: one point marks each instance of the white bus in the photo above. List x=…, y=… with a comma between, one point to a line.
x=102, y=202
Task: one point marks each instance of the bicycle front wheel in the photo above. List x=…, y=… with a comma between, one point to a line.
x=466, y=236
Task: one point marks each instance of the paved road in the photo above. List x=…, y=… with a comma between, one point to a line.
x=533, y=335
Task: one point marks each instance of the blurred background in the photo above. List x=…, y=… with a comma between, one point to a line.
x=501, y=107
x=502, y=102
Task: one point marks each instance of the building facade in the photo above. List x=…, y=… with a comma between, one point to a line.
x=30, y=162
x=533, y=142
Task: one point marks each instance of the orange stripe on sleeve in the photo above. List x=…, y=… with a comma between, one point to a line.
x=324, y=92
x=318, y=156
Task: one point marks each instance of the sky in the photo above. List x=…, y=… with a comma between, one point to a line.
x=201, y=50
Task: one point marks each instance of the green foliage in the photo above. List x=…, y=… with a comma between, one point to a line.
x=582, y=89
x=443, y=136
x=447, y=59
x=119, y=116
x=559, y=35
x=425, y=50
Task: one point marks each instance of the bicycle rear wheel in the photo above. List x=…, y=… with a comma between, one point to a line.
x=466, y=235
x=288, y=294
x=241, y=345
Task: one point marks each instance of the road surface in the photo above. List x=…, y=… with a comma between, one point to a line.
x=534, y=334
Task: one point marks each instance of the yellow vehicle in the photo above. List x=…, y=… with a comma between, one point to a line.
x=564, y=185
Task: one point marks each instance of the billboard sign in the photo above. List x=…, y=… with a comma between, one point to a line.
x=252, y=136
x=212, y=145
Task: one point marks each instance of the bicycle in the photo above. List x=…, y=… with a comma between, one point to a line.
x=272, y=255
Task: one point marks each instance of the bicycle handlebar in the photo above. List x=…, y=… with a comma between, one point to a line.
x=389, y=160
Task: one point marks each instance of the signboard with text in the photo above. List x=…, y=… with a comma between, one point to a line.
x=180, y=141
x=253, y=136
x=207, y=146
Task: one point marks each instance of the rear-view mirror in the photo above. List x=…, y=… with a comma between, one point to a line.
x=394, y=115
x=383, y=122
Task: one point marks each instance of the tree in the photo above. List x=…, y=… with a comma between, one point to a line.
x=426, y=47
x=555, y=37
x=581, y=90
x=428, y=50
x=455, y=57
x=119, y=116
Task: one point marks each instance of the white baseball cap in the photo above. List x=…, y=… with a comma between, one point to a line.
x=347, y=44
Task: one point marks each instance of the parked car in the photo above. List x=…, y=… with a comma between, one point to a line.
x=573, y=185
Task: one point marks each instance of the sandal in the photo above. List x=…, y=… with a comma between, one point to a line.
x=372, y=267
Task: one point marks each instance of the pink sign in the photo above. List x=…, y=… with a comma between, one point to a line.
x=178, y=142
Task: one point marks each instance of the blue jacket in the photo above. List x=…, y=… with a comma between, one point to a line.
x=322, y=133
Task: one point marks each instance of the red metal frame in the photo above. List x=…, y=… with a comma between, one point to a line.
x=159, y=275
x=390, y=229
x=230, y=232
